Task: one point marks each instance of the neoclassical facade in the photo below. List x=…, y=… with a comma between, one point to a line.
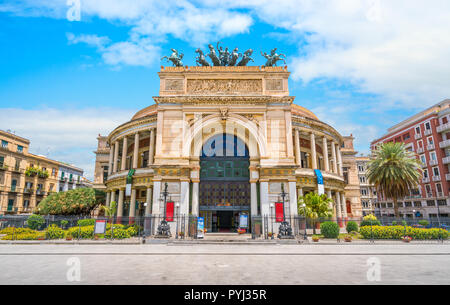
x=226, y=140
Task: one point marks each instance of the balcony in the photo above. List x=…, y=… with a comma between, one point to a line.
x=443, y=127
x=433, y=162
x=436, y=178
x=447, y=177
x=417, y=136
x=3, y=166
x=428, y=132
x=446, y=160
x=420, y=150
x=429, y=195
x=430, y=146
x=424, y=164
x=40, y=192
x=28, y=191
x=444, y=144
x=439, y=194
x=426, y=180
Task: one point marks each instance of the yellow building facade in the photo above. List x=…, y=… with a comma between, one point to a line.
x=21, y=187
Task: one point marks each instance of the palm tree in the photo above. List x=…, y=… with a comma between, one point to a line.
x=394, y=171
x=316, y=206
x=110, y=211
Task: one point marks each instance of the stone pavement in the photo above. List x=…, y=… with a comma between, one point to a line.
x=226, y=264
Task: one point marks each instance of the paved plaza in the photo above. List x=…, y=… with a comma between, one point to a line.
x=226, y=264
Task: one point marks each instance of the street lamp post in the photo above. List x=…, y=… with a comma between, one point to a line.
x=163, y=227
x=272, y=213
x=285, y=230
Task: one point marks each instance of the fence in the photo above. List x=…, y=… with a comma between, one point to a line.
x=186, y=226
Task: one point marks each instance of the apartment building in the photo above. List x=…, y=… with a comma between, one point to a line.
x=25, y=179
x=428, y=135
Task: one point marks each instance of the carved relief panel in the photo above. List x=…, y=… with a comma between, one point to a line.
x=224, y=86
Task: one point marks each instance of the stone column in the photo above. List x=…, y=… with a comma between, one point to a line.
x=120, y=204
x=116, y=156
x=148, y=210
x=151, y=151
x=123, y=162
x=325, y=154
x=298, y=155
x=108, y=198
x=293, y=198
x=333, y=155
x=136, y=150
x=329, y=196
x=338, y=205
x=184, y=198
x=113, y=196
x=339, y=156
x=264, y=195
x=195, y=201
x=344, y=205
x=156, y=195
x=132, y=213
x=253, y=199
x=111, y=158
x=313, y=151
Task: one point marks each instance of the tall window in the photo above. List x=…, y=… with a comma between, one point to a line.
x=427, y=126
x=20, y=148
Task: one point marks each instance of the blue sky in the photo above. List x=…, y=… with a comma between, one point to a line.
x=360, y=65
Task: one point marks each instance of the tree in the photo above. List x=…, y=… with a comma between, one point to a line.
x=394, y=171
x=80, y=201
x=316, y=206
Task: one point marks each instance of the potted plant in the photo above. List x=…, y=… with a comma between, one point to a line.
x=270, y=234
x=315, y=238
x=69, y=236
x=406, y=239
x=181, y=234
x=348, y=238
x=96, y=237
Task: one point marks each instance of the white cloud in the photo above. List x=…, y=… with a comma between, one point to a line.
x=68, y=135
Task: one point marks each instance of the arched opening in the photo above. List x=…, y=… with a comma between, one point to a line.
x=224, y=190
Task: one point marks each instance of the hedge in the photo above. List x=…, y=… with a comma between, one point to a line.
x=79, y=201
x=397, y=232
x=55, y=232
x=352, y=227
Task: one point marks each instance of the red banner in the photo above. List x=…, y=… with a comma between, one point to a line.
x=279, y=212
x=169, y=210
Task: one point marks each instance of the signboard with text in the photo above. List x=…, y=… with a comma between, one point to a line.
x=100, y=227
x=243, y=221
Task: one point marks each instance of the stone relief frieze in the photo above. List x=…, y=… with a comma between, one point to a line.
x=174, y=84
x=274, y=84
x=224, y=86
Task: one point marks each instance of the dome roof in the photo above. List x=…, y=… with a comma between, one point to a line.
x=302, y=111
x=150, y=110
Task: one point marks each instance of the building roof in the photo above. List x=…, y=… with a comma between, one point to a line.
x=302, y=111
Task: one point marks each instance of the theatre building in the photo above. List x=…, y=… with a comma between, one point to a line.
x=226, y=140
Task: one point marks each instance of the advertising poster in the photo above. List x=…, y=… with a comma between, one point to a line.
x=169, y=210
x=279, y=212
x=200, y=227
x=243, y=221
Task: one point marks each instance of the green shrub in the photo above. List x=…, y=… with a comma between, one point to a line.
x=404, y=223
x=394, y=223
x=54, y=232
x=35, y=222
x=424, y=222
x=352, y=227
x=329, y=229
x=86, y=222
x=12, y=230
x=369, y=222
x=397, y=232
x=25, y=236
x=64, y=223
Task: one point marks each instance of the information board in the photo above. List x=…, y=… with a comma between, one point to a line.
x=100, y=227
